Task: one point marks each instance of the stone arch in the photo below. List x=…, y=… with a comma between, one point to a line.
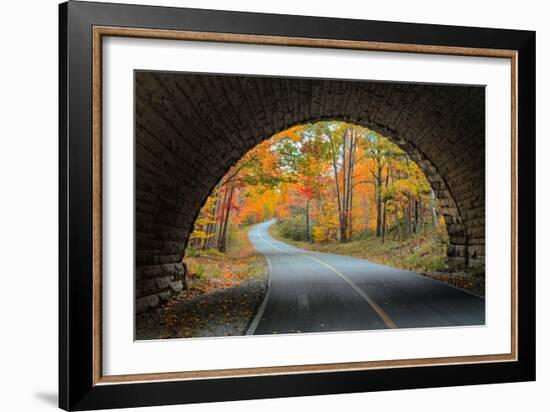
x=190, y=129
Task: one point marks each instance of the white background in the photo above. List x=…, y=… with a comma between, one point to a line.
x=28, y=206
x=123, y=356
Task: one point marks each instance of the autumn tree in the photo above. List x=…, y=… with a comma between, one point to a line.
x=381, y=152
x=330, y=180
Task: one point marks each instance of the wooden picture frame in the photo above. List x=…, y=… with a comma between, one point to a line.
x=82, y=385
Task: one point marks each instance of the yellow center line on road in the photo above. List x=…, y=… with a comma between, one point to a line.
x=379, y=311
x=268, y=242
x=385, y=317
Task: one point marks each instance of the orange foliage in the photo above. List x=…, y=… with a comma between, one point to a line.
x=293, y=174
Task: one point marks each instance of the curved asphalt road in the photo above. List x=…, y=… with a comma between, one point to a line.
x=315, y=292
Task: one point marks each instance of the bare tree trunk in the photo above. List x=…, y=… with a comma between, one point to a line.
x=343, y=228
x=366, y=208
x=350, y=223
x=337, y=185
x=353, y=150
x=216, y=213
x=220, y=217
x=307, y=220
x=212, y=226
x=379, y=201
x=223, y=238
x=384, y=220
x=385, y=210
x=397, y=224
x=408, y=222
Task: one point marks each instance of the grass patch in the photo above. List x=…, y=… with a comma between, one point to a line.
x=424, y=253
x=211, y=269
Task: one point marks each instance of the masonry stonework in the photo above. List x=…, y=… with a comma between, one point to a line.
x=191, y=128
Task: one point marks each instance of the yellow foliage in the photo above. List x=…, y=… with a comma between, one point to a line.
x=264, y=187
x=326, y=227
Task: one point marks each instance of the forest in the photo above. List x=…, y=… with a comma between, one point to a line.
x=325, y=183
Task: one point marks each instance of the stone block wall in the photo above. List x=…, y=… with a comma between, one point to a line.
x=191, y=128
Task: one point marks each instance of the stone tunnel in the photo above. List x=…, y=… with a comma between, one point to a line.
x=191, y=128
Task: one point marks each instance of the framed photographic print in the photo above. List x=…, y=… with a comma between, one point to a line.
x=257, y=205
